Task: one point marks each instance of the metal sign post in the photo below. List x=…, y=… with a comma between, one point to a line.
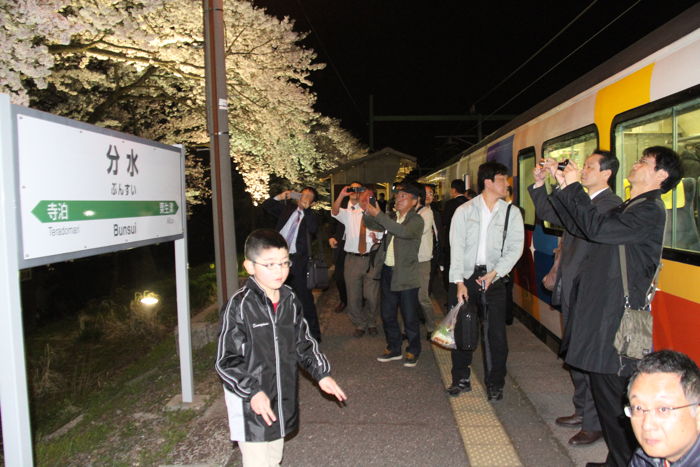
x=182, y=284
x=16, y=432
x=70, y=190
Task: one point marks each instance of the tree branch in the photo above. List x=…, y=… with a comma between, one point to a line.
x=118, y=93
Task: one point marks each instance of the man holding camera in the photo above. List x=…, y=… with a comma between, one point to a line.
x=597, y=295
x=399, y=276
x=598, y=176
x=298, y=224
x=359, y=279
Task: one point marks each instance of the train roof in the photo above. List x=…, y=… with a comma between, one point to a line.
x=664, y=35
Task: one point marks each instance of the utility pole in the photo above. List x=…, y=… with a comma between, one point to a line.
x=217, y=126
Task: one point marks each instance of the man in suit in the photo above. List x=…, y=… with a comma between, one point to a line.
x=298, y=224
x=597, y=298
x=598, y=176
x=337, y=244
x=457, y=198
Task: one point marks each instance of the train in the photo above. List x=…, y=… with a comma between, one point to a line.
x=646, y=95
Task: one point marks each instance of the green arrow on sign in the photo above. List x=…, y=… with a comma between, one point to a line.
x=67, y=211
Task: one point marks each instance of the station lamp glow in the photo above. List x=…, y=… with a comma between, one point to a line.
x=149, y=298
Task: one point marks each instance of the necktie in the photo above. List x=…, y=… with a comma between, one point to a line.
x=362, y=245
x=293, y=229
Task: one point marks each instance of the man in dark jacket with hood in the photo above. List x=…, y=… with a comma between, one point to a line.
x=597, y=297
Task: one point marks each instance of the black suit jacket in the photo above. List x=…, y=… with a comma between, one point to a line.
x=448, y=211
x=574, y=249
x=597, y=298
x=282, y=210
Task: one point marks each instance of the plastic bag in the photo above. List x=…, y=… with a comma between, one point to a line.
x=444, y=335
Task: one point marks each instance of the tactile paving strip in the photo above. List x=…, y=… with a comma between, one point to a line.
x=485, y=441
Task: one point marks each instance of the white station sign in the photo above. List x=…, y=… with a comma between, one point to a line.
x=84, y=188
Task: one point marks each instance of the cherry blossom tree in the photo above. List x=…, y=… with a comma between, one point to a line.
x=138, y=66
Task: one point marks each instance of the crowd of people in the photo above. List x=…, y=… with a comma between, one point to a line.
x=390, y=255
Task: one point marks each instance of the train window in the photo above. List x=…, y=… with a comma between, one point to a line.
x=577, y=147
x=677, y=127
x=526, y=164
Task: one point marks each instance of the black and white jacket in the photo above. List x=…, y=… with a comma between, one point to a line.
x=259, y=350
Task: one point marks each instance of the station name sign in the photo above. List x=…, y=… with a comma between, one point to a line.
x=85, y=190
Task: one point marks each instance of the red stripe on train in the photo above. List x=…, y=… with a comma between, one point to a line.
x=676, y=324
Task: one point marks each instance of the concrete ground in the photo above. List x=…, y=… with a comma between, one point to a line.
x=402, y=416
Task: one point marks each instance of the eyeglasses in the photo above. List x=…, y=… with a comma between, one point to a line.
x=646, y=160
x=273, y=266
x=636, y=411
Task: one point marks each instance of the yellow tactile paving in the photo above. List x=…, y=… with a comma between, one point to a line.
x=482, y=455
x=485, y=441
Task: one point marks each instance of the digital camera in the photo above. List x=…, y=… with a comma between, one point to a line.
x=356, y=189
x=562, y=164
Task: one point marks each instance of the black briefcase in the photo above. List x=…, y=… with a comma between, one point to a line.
x=467, y=328
x=317, y=274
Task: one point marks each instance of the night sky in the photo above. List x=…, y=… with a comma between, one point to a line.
x=446, y=58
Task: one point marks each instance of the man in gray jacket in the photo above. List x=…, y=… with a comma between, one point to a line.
x=400, y=280
x=481, y=256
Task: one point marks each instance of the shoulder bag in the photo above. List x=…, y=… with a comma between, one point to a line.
x=316, y=269
x=633, y=338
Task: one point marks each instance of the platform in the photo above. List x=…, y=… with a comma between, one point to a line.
x=402, y=416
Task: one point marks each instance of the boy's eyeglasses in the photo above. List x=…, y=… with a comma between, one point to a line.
x=635, y=411
x=273, y=266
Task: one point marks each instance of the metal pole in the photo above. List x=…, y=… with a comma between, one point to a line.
x=183, y=302
x=14, y=401
x=217, y=125
x=371, y=123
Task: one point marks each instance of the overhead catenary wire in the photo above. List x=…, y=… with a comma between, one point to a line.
x=529, y=59
x=330, y=60
x=542, y=75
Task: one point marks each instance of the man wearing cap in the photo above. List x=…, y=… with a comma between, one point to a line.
x=400, y=280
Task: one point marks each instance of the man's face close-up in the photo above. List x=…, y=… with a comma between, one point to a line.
x=307, y=199
x=429, y=195
x=590, y=174
x=667, y=436
x=500, y=185
x=354, y=196
x=643, y=171
x=405, y=201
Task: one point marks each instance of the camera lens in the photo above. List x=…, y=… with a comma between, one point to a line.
x=563, y=164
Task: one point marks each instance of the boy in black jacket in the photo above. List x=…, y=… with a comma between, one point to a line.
x=264, y=336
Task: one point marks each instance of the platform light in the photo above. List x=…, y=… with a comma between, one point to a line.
x=149, y=298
